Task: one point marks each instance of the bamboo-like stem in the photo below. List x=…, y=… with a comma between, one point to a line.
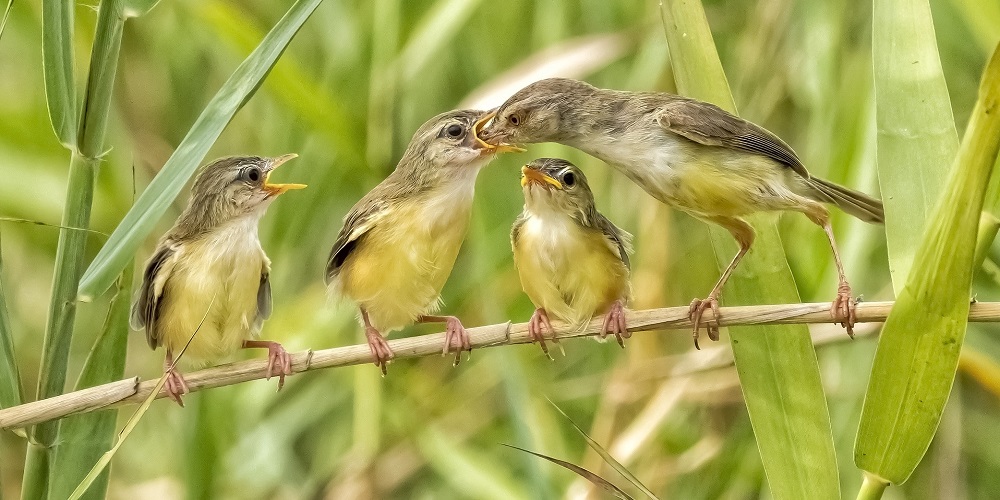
x=872, y=487
x=133, y=391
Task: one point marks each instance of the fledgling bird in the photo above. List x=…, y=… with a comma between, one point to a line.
x=572, y=261
x=400, y=241
x=210, y=266
x=688, y=154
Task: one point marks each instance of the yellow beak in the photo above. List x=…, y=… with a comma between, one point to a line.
x=487, y=147
x=529, y=175
x=276, y=189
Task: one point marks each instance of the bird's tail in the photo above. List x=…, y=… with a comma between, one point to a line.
x=853, y=202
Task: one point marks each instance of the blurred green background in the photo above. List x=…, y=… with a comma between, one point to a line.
x=356, y=82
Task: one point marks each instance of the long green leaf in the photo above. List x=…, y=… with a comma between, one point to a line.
x=777, y=366
x=6, y=13
x=57, y=63
x=86, y=158
x=916, y=129
x=606, y=456
x=83, y=438
x=10, y=379
x=164, y=188
x=598, y=481
x=920, y=343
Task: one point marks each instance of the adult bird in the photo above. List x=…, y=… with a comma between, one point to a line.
x=399, y=243
x=205, y=290
x=688, y=154
x=572, y=261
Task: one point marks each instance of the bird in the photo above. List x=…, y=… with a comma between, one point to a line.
x=205, y=290
x=688, y=154
x=398, y=244
x=572, y=261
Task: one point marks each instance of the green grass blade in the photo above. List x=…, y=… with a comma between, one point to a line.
x=916, y=138
x=10, y=379
x=83, y=438
x=921, y=341
x=6, y=13
x=57, y=63
x=598, y=481
x=164, y=188
x=608, y=459
x=777, y=366
x=436, y=27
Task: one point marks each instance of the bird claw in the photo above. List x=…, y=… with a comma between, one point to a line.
x=380, y=349
x=279, y=362
x=175, y=386
x=456, y=337
x=844, y=309
x=540, y=320
x=614, y=322
x=695, y=313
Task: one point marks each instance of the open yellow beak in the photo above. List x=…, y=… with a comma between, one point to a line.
x=276, y=189
x=491, y=148
x=529, y=175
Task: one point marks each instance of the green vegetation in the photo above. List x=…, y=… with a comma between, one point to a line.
x=124, y=90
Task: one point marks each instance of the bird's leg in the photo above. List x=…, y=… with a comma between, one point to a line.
x=455, y=335
x=175, y=386
x=614, y=322
x=744, y=235
x=843, y=309
x=539, y=320
x=279, y=362
x=376, y=342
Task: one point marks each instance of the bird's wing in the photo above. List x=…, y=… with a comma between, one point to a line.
x=515, y=230
x=146, y=308
x=263, y=295
x=710, y=125
x=359, y=221
x=619, y=240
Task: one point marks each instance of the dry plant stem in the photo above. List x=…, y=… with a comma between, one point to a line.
x=132, y=391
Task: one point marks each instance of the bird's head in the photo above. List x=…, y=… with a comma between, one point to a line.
x=556, y=185
x=544, y=111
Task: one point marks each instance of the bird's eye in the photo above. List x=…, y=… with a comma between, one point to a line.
x=454, y=131
x=514, y=120
x=568, y=179
x=251, y=174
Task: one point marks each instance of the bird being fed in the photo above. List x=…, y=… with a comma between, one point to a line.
x=400, y=241
x=688, y=154
x=205, y=290
x=572, y=261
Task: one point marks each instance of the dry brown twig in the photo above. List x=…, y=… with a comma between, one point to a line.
x=133, y=390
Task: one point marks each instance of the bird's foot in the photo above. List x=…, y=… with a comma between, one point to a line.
x=379, y=347
x=540, y=320
x=457, y=338
x=614, y=322
x=695, y=312
x=175, y=386
x=279, y=361
x=844, y=308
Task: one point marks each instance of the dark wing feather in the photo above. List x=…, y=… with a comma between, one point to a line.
x=263, y=300
x=146, y=308
x=356, y=224
x=710, y=125
x=621, y=238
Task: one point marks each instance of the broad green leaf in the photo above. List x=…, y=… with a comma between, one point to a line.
x=164, y=188
x=598, y=481
x=777, y=366
x=10, y=380
x=57, y=64
x=916, y=138
x=921, y=341
x=83, y=438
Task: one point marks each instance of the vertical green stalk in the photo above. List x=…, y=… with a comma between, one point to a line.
x=777, y=366
x=10, y=379
x=57, y=65
x=84, y=438
x=72, y=243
